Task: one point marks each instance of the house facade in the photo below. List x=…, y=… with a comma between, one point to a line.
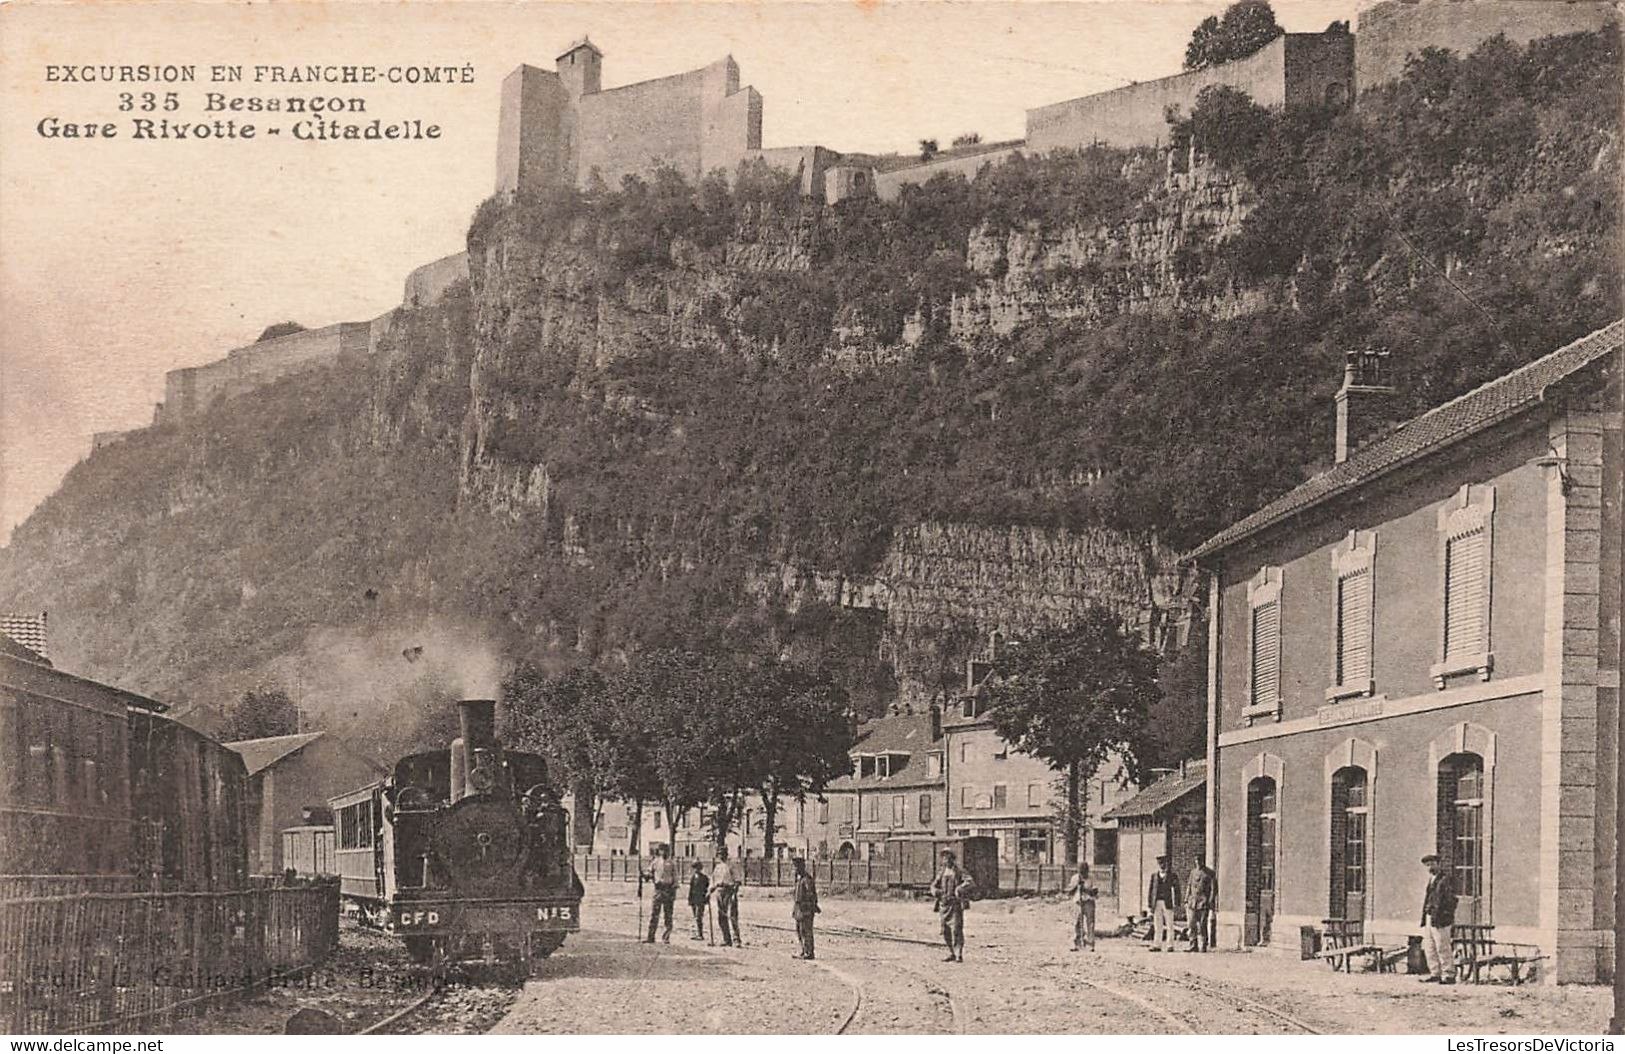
x=286, y=776
x=995, y=790
x=1417, y=652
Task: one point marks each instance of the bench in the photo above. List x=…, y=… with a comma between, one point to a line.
x=1342, y=940
x=1477, y=953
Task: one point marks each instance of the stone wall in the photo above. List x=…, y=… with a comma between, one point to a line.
x=190, y=390
x=427, y=284
x=532, y=134
x=670, y=121
x=890, y=184
x=1294, y=69
x=808, y=163
x=1390, y=32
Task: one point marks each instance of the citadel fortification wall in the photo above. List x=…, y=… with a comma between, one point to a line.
x=1296, y=69
x=427, y=284
x=532, y=131
x=190, y=390
x=808, y=163
x=890, y=184
x=1392, y=31
x=694, y=122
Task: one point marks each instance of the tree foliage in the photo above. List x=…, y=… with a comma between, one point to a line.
x=1246, y=26
x=261, y=713
x=279, y=329
x=1076, y=696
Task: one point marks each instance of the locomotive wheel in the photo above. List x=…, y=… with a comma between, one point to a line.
x=421, y=949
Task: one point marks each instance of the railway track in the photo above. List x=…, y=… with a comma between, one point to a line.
x=1173, y=1018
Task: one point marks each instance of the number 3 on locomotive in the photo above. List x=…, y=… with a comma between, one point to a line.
x=560, y=914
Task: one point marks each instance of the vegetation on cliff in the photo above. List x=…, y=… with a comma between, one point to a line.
x=649, y=401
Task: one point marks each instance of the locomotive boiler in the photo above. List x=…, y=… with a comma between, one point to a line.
x=464, y=852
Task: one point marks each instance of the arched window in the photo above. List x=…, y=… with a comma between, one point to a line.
x=1461, y=829
x=1350, y=835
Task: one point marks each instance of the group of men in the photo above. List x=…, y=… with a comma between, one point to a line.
x=1200, y=894
x=721, y=886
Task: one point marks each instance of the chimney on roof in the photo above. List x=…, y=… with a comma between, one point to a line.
x=1161, y=774
x=936, y=720
x=1365, y=402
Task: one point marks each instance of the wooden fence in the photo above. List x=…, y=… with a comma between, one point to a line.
x=835, y=875
x=116, y=962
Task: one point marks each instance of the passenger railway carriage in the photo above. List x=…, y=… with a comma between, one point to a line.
x=464, y=852
x=95, y=780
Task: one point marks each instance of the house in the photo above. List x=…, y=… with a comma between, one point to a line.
x=1168, y=818
x=897, y=785
x=287, y=775
x=996, y=790
x=1417, y=651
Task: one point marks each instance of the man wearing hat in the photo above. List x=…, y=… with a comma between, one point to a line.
x=1438, y=915
x=1162, y=895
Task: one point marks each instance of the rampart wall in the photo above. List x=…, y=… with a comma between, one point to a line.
x=807, y=163
x=190, y=390
x=694, y=122
x=532, y=134
x=427, y=284
x=1294, y=69
x=890, y=184
x=1390, y=32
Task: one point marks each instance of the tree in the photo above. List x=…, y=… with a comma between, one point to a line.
x=1074, y=696
x=797, y=734
x=262, y=713
x=567, y=719
x=1247, y=25
x=967, y=139
x=280, y=329
x=928, y=149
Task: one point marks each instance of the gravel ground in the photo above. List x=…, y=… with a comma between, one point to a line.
x=1019, y=977
x=367, y=979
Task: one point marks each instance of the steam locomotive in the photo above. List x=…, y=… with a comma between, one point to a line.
x=464, y=853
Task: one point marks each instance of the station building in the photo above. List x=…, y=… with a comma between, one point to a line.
x=1416, y=652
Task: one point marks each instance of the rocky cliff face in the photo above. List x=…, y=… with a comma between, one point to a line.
x=1090, y=274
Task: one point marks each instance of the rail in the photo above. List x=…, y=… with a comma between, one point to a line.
x=88, y=961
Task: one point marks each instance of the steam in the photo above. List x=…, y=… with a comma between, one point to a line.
x=392, y=689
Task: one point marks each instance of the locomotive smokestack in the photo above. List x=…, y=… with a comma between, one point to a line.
x=477, y=718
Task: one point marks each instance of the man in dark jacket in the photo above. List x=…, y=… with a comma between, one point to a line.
x=1162, y=894
x=1201, y=897
x=804, y=907
x=1438, y=915
x=699, y=894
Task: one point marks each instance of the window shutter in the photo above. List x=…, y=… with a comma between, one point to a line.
x=1464, y=595
x=1267, y=654
x=1354, y=628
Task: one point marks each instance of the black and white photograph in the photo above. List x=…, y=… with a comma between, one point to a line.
x=790, y=518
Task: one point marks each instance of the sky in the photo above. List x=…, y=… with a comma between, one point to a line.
x=121, y=259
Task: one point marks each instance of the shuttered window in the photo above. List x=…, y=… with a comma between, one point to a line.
x=1266, y=658
x=1465, y=574
x=1354, y=628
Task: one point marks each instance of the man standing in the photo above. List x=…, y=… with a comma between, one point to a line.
x=1438, y=915
x=1202, y=893
x=699, y=889
x=1162, y=893
x=1083, y=895
x=663, y=873
x=725, y=878
x=804, y=907
x=952, y=888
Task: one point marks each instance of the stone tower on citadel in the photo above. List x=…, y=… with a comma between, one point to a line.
x=561, y=128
